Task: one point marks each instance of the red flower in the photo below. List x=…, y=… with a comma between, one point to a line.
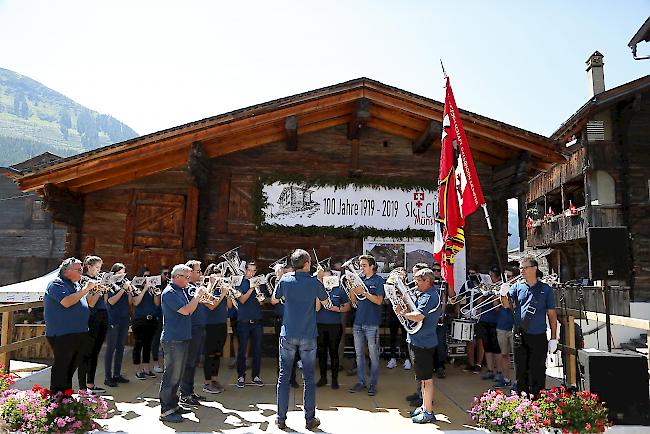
x=37, y=388
x=68, y=392
x=558, y=410
x=588, y=426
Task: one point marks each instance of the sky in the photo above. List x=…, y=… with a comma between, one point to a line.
x=157, y=64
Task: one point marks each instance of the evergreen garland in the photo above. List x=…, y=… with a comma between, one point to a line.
x=260, y=201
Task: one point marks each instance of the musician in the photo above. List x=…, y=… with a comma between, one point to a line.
x=423, y=343
x=249, y=326
x=299, y=291
x=366, y=323
x=176, y=336
x=395, y=327
x=281, y=270
x=415, y=399
x=198, y=319
x=443, y=323
x=504, y=336
x=119, y=319
x=66, y=322
x=469, y=297
x=534, y=302
x=155, y=344
x=97, y=327
x=216, y=332
x=330, y=331
x=144, y=327
x=486, y=333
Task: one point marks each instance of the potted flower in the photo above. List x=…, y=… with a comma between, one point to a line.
x=38, y=411
x=572, y=412
x=497, y=412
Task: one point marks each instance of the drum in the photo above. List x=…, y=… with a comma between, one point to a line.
x=462, y=329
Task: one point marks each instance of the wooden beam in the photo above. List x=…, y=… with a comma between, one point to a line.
x=191, y=217
x=198, y=165
x=391, y=128
x=431, y=133
x=354, y=158
x=64, y=205
x=360, y=118
x=291, y=129
x=399, y=117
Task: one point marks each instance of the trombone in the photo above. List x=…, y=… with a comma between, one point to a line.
x=490, y=293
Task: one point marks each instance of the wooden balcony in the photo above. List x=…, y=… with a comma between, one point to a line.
x=558, y=174
x=569, y=228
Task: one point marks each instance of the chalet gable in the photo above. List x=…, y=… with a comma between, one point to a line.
x=360, y=103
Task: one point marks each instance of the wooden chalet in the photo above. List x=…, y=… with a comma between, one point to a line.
x=188, y=191
x=32, y=244
x=604, y=180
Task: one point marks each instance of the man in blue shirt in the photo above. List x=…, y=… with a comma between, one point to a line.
x=199, y=317
x=66, y=322
x=299, y=290
x=249, y=326
x=366, y=323
x=533, y=302
x=486, y=332
x=177, y=309
x=424, y=341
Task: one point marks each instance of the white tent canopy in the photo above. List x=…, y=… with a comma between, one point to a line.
x=29, y=290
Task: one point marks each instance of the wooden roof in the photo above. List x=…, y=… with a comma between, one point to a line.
x=392, y=110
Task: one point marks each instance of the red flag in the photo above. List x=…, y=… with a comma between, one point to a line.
x=459, y=190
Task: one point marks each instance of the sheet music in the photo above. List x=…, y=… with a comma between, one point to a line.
x=331, y=281
x=258, y=280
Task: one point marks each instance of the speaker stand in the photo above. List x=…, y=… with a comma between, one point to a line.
x=608, y=323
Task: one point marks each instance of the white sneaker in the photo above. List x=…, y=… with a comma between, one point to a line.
x=407, y=364
x=299, y=364
x=158, y=370
x=392, y=363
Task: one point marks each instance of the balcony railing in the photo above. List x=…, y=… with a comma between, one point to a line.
x=563, y=228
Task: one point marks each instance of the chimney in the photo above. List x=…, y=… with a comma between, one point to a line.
x=595, y=74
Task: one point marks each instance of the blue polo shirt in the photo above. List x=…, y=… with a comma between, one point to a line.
x=118, y=313
x=200, y=315
x=427, y=336
x=61, y=320
x=299, y=290
x=279, y=310
x=369, y=313
x=339, y=298
x=251, y=309
x=176, y=327
x=218, y=315
x=146, y=306
x=505, y=319
x=491, y=317
x=545, y=300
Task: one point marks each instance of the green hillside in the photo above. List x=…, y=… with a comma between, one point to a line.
x=35, y=119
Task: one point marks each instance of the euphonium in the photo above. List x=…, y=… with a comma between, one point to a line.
x=403, y=297
x=351, y=279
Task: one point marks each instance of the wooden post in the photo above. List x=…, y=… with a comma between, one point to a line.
x=6, y=338
x=571, y=356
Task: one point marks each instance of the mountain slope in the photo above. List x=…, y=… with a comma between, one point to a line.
x=36, y=119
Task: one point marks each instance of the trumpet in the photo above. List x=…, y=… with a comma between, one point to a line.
x=351, y=279
x=99, y=288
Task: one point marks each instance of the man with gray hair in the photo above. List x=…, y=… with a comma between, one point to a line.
x=66, y=322
x=176, y=335
x=299, y=291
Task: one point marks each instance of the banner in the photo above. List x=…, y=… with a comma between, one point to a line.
x=292, y=204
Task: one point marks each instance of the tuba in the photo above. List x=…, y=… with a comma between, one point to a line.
x=352, y=279
x=399, y=294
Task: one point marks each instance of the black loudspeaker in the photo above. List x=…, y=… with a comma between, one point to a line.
x=621, y=380
x=609, y=255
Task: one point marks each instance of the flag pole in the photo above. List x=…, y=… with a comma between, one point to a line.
x=494, y=241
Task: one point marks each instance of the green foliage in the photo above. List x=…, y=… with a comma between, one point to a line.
x=35, y=119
